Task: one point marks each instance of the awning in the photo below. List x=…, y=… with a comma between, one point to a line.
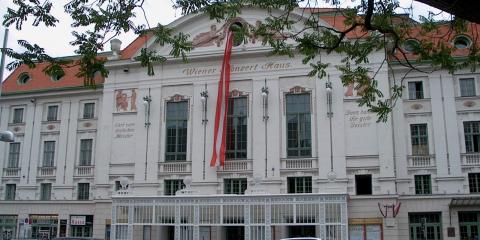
x=465, y=202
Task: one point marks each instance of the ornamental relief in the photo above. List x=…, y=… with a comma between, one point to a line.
x=126, y=100
x=215, y=36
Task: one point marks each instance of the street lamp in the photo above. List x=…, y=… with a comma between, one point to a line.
x=7, y=136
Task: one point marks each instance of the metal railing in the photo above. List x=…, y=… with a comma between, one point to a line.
x=258, y=214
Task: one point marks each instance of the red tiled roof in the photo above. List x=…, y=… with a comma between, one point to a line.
x=41, y=81
x=134, y=46
x=443, y=34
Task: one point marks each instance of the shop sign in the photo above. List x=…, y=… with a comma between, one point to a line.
x=77, y=220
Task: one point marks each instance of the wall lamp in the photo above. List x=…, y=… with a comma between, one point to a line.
x=146, y=103
x=329, y=89
x=204, y=99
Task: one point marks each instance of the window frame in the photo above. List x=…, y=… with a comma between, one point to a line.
x=83, y=191
x=43, y=194
x=467, y=93
x=423, y=184
x=47, y=153
x=85, y=113
x=239, y=150
x=302, y=135
x=14, y=156
x=10, y=191
x=180, y=138
x=15, y=117
x=171, y=186
x=474, y=182
x=85, y=157
x=471, y=145
x=235, y=186
x=363, y=177
x=418, y=138
x=300, y=185
x=413, y=92
x=52, y=116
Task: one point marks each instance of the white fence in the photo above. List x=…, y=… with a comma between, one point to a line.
x=257, y=214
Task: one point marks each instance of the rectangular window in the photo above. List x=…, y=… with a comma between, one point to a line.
x=425, y=226
x=45, y=191
x=415, y=90
x=474, y=182
x=363, y=184
x=467, y=87
x=299, y=184
x=88, y=110
x=172, y=186
x=48, y=154
x=52, y=113
x=235, y=185
x=237, y=128
x=298, y=125
x=10, y=191
x=13, y=155
x=423, y=184
x=472, y=136
x=17, y=115
x=118, y=186
x=419, y=135
x=86, y=152
x=83, y=191
x=176, y=134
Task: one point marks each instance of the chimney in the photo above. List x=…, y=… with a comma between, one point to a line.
x=115, y=46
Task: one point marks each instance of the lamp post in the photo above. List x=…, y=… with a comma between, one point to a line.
x=265, y=92
x=328, y=89
x=146, y=103
x=204, y=99
x=5, y=136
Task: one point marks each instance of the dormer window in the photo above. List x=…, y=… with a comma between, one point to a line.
x=410, y=45
x=57, y=77
x=461, y=42
x=23, y=78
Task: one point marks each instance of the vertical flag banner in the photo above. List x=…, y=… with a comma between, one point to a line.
x=220, y=129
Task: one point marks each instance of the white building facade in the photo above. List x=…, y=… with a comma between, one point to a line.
x=302, y=158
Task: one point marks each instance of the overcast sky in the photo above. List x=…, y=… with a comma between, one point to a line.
x=56, y=39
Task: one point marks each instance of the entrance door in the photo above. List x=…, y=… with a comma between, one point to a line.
x=469, y=225
x=204, y=233
x=301, y=231
x=234, y=233
x=425, y=226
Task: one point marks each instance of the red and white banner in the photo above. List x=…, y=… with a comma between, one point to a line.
x=219, y=137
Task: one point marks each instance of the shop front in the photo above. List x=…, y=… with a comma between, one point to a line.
x=81, y=225
x=44, y=226
x=8, y=226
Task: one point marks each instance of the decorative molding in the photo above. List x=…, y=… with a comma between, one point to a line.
x=236, y=93
x=469, y=104
x=177, y=98
x=297, y=90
